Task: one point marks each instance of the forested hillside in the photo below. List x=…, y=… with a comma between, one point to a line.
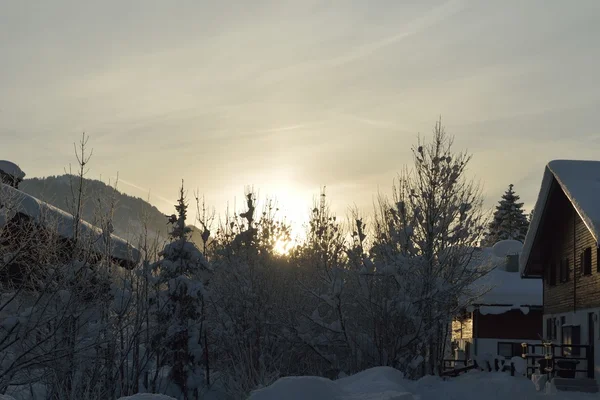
x=129, y=213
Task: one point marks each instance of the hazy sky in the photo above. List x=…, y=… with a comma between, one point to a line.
x=290, y=95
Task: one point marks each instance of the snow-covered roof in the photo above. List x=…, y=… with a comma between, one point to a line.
x=11, y=169
x=15, y=201
x=507, y=247
x=580, y=181
x=503, y=288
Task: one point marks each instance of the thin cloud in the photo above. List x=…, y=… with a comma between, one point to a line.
x=150, y=195
x=433, y=17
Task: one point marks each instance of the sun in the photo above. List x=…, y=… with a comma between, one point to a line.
x=282, y=247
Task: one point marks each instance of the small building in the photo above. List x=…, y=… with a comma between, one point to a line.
x=26, y=222
x=561, y=250
x=11, y=174
x=505, y=312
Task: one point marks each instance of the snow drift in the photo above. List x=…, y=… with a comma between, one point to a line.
x=147, y=396
x=389, y=384
x=383, y=383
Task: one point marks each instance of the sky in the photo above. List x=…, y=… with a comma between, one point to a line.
x=287, y=96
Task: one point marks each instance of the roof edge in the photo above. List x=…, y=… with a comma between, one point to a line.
x=575, y=205
x=540, y=208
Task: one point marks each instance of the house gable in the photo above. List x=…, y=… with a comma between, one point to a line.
x=577, y=182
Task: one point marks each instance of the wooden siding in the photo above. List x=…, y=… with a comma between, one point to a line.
x=565, y=236
x=510, y=325
x=587, y=287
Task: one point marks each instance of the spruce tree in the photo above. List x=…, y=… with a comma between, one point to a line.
x=182, y=275
x=509, y=221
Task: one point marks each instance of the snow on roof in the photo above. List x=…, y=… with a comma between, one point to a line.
x=11, y=169
x=503, y=288
x=507, y=247
x=580, y=181
x=52, y=217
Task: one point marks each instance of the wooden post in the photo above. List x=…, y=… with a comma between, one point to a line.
x=589, y=355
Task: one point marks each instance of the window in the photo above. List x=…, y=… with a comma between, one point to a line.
x=586, y=261
x=510, y=350
x=554, y=333
x=553, y=274
x=571, y=334
x=564, y=270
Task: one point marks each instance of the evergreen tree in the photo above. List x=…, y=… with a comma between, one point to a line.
x=182, y=274
x=509, y=221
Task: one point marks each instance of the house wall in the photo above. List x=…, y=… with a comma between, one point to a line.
x=558, y=243
x=565, y=236
x=510, y=325
x=488, y=348
x=580, y=318
x=483, y=332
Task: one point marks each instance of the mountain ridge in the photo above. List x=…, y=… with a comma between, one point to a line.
x=129, y=213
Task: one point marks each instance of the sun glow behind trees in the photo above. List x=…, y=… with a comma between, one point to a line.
x=343, y=292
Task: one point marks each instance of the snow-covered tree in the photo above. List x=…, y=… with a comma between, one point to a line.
x=325, y=310
x=425, y=240
x=182, y=275
x=253, y=299
x=509, y=220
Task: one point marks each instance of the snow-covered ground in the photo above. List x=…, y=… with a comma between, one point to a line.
x=389, y=384
x=384, y=383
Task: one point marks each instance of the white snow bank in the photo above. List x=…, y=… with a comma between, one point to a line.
x=5, y=397
x=378, y=381
x=388, y=384
x=477, y=385
x=146, y=396
x=381, y=383
x=15, y=201
x=300, y=388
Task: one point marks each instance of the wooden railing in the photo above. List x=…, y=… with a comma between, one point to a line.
x=452, y=368
x=456, y=367
x=535, y=352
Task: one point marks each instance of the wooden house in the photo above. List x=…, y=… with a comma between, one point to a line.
x=505, y=311
x=561, y=250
